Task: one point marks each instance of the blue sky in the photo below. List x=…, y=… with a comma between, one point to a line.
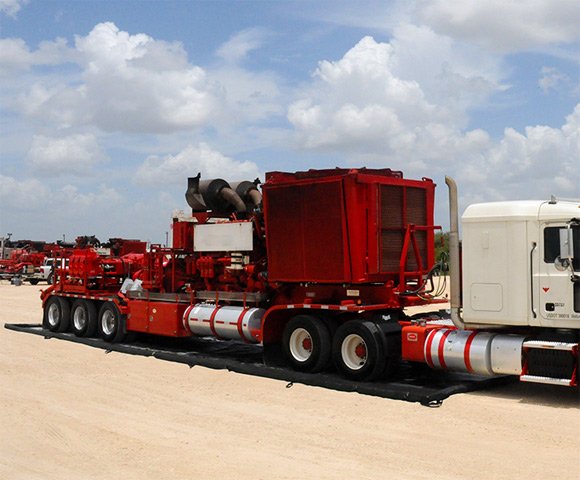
x=107, y=106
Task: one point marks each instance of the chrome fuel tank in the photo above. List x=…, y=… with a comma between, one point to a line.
x=227, y=322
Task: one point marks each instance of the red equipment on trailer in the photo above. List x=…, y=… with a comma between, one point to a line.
x=318, y=268
x=26, y=258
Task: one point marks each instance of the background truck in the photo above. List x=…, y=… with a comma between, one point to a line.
x=26, y=260
x=319, y=266
x=46, y=270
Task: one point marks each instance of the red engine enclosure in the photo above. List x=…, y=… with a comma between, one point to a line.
x=348, y=226
x=358, y=227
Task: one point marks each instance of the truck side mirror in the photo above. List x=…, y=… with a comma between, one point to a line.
x=566, y=257
x=566, y=244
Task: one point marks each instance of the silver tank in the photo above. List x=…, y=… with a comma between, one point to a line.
x=227, y=323
x=481, y=353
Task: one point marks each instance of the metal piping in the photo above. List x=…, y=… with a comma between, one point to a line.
x=233, y=198
x=249, y=193
x=454, y=267
x=255, y=196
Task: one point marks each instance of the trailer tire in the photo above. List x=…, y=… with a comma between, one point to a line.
x=358, y=350
x=84, y=318
x=307, y=344
x=112, y=324
x=56, y=314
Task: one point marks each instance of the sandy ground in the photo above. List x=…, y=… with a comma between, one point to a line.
x=68, y=411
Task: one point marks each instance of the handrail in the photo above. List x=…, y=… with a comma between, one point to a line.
x=534, y=245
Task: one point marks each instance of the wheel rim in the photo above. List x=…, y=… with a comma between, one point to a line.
x=300, y=344
x=354, y=352
x=53, y=315
x=79, y=318
x=108, y=322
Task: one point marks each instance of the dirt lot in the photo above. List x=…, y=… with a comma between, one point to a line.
x=69, y=411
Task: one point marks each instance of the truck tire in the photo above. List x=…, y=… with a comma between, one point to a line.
x=358, y=350
x=84, y=318
x=33, y=281
x=50, y=279
x=56, y=314
x=307, y=344
x=112, y=325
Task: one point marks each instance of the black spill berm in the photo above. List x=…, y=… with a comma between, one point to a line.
x=413, y=384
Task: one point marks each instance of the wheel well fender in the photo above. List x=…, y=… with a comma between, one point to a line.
x=274, y=322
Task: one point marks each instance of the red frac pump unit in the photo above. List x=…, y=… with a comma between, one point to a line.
x=317, y=267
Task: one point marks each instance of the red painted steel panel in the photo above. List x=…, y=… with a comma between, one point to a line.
x=138, y=318
x=305, y=232
x=284, y=231
x=413, y=342
x=160, y=318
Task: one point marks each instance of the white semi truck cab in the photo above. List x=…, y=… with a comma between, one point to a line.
x=517, y=283
x=521, y=262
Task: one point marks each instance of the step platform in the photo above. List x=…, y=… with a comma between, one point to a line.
x=550, y=363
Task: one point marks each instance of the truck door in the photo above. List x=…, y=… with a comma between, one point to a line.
x=559, y=296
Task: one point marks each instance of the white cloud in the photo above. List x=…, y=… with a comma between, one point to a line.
x=174, y=169
x=240, y=44
x=16, y=195
x=547, y=158
x=74, y=154
x=250, y=96
x=130, y=83
x=455, y=74
x=552, y=78
x=360, y=107
x=359, y=104
x=505, y=26
x=72, y=200
x=34, y=209
x=11, y=7
x=136, y=84
x=15, y=56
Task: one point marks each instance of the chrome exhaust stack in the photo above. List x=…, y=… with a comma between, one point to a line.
x=454, y=266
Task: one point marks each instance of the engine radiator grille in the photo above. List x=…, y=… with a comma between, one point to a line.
x=400, y=206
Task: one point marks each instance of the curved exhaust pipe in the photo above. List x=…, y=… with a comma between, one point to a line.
x=454, y=267
x=215, y=195
x=249, y=193
x=233, y=199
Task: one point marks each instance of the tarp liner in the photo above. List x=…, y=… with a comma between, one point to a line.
x=412, y=383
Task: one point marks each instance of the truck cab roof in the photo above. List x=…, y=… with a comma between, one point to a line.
x=538, y=210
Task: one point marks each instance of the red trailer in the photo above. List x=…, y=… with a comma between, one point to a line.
x=317, y=267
